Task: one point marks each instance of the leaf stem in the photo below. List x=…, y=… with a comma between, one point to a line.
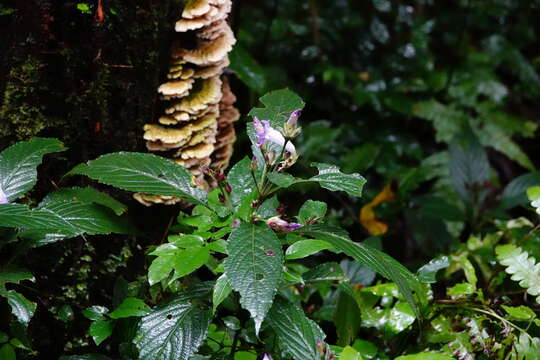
x=234, y=345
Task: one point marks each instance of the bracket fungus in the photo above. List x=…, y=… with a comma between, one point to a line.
x=196, y=129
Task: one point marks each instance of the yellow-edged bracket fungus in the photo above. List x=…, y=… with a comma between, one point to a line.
x=196, y=129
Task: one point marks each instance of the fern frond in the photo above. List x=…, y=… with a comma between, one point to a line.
x=523, y=268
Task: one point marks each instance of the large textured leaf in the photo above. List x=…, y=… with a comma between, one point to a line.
x=278, y=106
x=174, y=329
x=376, y=260
x=58, y=220
x=86, y=218
x=145, y=173
x=18, y=165
x=20, y=216
x=297, y=334
x=254, y=267
x=86, y=195
x=469, y=167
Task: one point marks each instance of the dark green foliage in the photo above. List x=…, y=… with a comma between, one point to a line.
x=436, y=99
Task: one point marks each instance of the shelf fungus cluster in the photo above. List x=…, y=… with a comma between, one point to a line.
x=196, y=128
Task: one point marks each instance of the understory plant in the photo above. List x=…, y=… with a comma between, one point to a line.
x=243, y=275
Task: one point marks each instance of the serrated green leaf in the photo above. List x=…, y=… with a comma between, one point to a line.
x=312, y=211
x=86, y=195
x=18, y=165
x=304, y=248
x=130, y=307
x=428, y=272
x=297, y=334
x=523, y=268
x=469, y=167
x=62, y=219
x=144, y=173
x=86, y=218
x=21, y=307
x=18, y=216
x=527, y=348
x=189, y=260
x=374, y=259
x=222, y=289
x=519, y=313
x=100, y=330
x=331, y=178
x=278, y=106
x=254, y=267
x=174, y=329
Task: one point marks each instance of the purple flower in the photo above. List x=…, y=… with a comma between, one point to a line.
x=261, y=130
x=266, y=133
x=3, y=197
x=266, y=357
x=279, y=224
x=293, y=119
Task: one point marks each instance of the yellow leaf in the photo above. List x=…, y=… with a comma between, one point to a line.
x=368, y=219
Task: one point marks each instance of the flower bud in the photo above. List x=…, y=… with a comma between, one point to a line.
x=228, y=188
x=291, y=128
x=293, y=118
x=278, y=224
x=220, y=176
